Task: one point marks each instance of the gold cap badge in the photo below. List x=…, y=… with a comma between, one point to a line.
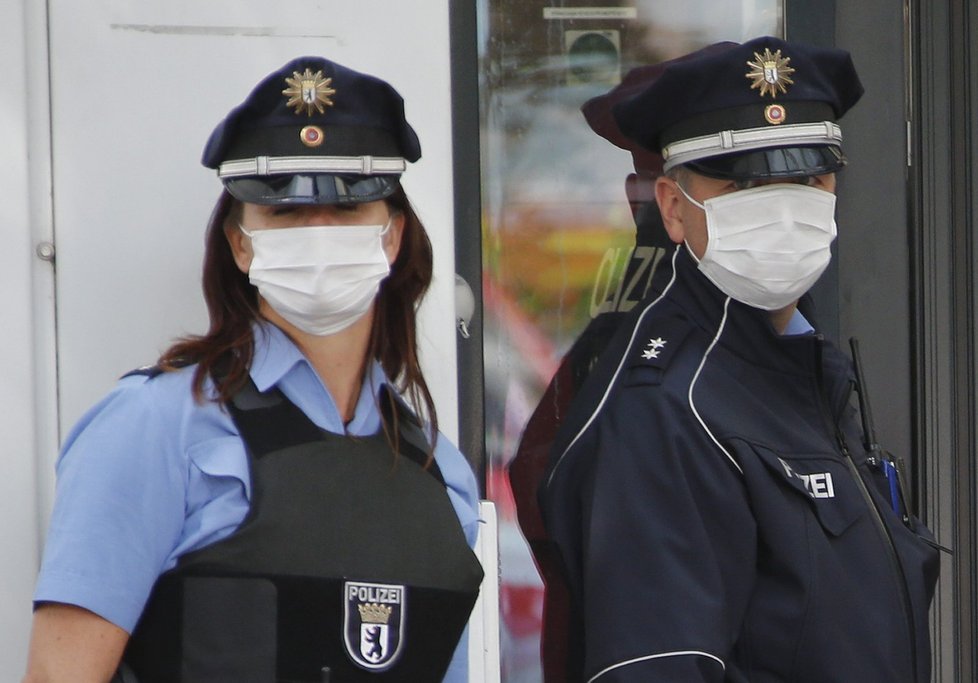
x=308, y=92
x=770, y=73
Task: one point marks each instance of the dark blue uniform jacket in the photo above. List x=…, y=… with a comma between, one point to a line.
x=711, y=525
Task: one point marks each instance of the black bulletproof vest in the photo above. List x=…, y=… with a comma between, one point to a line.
x=350, y=559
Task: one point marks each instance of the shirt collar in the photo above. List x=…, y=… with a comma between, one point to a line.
x=797, y=325
x=279, y=362
x=275, y=355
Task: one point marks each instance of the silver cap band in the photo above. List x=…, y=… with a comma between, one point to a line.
x=263, y=166
x=732, y=141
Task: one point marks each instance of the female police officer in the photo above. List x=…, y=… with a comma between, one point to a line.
x=262, y=506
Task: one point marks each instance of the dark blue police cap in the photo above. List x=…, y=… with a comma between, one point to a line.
x=314, y=132
x=765, y=108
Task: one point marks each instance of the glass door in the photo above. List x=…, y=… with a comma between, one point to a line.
x=568, y=243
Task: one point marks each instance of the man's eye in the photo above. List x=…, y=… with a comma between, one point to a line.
x=744, y=184
x=283, y=210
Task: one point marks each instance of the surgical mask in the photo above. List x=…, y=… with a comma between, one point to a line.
x=769, y=244
x=322, y=279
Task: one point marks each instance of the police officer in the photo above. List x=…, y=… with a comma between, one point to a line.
x=718, y=512
x=262, y=505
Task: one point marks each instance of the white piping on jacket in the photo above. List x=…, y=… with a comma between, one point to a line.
x=621, y=363
x=656, y=656
x=696, y=376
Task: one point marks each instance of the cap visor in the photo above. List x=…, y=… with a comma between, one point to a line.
x=776, y=162
x=314, y=188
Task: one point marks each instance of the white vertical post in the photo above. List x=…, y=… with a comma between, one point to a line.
x=484, y=623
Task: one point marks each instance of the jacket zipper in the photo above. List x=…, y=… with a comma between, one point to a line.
x=881, y=527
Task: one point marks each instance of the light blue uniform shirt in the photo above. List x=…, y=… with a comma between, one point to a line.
x=148, y=474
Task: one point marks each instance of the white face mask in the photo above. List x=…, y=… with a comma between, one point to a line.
x=769, y=244
x=322, y=279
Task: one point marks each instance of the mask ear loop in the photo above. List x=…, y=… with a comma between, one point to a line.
x=702, y=208
x=691, y=200
x=383, y=232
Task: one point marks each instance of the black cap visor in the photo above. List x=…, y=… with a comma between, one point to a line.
x=312, y=188
x=775, y=162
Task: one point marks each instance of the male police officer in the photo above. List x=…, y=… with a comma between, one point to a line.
x=715, y=510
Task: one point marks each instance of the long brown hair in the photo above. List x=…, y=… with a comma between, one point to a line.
x=232, y=305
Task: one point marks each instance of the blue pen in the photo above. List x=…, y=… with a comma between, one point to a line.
x=893, y=479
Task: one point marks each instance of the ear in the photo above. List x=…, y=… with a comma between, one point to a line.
x=392, y=239
x=240, y=247
x=670, y=201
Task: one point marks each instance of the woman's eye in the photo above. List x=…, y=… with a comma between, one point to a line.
x=283, y=210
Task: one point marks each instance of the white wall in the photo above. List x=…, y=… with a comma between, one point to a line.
x=135, y=88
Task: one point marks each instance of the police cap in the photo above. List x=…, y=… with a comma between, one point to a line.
x=314, y=132
x=762, y=109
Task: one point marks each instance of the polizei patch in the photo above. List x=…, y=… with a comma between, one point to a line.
x=373, y=624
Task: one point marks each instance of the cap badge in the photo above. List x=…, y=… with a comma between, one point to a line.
x=308, y=92
x=312, y=136
x=770, y=73
x=774, y=114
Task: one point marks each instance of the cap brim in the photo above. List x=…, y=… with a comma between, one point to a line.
x=774, y=162
x=312, y=188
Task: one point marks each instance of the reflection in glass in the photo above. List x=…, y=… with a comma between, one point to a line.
x=557, y=229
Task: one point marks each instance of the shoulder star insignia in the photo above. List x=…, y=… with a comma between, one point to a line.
x=650, y=353
x=656, y=343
